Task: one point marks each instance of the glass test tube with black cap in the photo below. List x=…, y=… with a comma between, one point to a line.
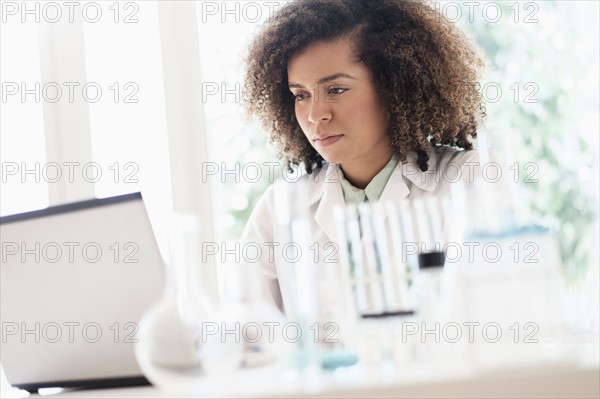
x=431, y=257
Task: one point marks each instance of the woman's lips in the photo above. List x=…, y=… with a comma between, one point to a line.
x=324, y=142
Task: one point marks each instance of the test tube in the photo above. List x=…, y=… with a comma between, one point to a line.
x=306, y=293
x=388, y=274
x=288, y=282
x=434, y=217
x=424, y=234
x=401, y=266
x=344, y=265
x=409, y=236
x=362, y=289
x=372, y=266
x=429, y=227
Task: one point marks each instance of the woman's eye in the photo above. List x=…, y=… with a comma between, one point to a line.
x=337, y=90
x=299, y=96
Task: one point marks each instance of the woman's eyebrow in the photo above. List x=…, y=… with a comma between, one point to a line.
x=324, y=80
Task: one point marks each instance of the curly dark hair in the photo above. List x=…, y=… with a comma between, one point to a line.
x=424, y=69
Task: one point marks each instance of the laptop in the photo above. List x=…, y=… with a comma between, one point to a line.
x=75, y=281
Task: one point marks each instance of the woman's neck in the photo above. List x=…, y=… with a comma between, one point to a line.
x=360, y=174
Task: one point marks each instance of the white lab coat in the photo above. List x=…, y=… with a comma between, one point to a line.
x=321, y=191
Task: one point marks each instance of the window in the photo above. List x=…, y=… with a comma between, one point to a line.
x=22, y=143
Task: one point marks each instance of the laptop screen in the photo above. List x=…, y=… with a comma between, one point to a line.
x=75, y=281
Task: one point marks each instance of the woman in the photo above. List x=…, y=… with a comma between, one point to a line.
x=381, y=95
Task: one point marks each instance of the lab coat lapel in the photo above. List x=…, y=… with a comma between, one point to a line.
x=332, y=196
x=395, y=190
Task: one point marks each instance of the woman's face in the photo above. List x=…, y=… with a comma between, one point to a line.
x=337, y=106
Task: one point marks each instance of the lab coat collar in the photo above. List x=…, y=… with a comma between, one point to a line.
x=330, y=194
x=325, y=177
x=329, y=178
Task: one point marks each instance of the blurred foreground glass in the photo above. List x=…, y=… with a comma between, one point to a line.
x=246, y=330
x=315, y=286
x=508, y=274
x=170, y=336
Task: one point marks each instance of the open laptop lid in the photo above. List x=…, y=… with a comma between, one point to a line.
x=75, y=281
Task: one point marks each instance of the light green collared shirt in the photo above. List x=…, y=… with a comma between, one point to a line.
x=373, y=190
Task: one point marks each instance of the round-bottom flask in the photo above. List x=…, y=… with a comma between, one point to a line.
x=170, y=334
x=246, y=328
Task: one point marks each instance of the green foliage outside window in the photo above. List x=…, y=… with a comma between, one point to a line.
x=545, y=60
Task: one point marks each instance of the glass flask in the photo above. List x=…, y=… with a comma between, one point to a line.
x=170, y=333
x=246, y=329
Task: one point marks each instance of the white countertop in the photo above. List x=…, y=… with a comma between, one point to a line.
x=554, y=380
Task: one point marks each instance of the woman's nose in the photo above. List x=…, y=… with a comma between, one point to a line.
x=320, y=111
